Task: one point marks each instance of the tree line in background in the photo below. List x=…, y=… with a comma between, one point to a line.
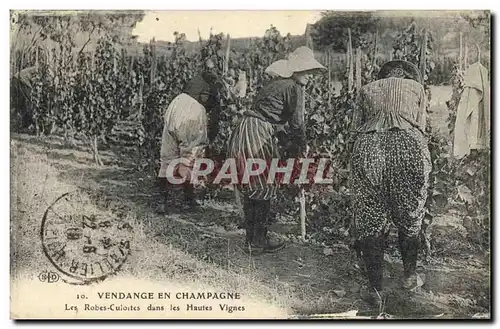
x=106, y=95
x=470, y=29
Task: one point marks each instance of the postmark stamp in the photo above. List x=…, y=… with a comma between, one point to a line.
x=83, y=243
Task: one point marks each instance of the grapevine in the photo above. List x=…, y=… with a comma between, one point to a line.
x=108, y=96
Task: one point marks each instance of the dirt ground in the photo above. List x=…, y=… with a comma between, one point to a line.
x=205, y=246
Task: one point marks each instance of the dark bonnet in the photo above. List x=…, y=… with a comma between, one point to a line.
x=400, y=69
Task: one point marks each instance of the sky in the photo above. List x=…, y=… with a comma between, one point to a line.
x=162, y=24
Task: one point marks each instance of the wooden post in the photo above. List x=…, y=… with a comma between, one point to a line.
x=226, y=57
x=131, y=68
x=350, y=62
x=21, y=58
x=466, y=59
x=347, y=59
x=36, y=57
x=115, y=64
x=200, y=39
x=237, y=192
x=54, y=63
x=141, y=96
x=225, y=69
x=329, y=65
x=423, y=52
x=302, y=195
x=302, y=199
x=153, y=62
x=460, y=55
x=358, y=69
x=309, y=42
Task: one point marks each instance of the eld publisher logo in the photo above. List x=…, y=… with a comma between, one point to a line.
x=48, y=276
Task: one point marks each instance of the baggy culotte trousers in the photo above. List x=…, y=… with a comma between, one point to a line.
x=389, y=180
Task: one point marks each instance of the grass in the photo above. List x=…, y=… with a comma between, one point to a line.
x=36, y=184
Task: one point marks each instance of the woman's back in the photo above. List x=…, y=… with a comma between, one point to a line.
x=392, y=103
x=277, y=100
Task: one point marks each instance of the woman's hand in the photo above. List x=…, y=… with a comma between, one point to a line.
x=184, y=171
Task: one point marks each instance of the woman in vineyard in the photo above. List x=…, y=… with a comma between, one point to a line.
x=187, y=130
x=278, y=102
x=390, y=168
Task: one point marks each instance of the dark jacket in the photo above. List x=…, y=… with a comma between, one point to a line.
x=280, y=102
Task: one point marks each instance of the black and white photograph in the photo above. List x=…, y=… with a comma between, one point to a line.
x=250, y=164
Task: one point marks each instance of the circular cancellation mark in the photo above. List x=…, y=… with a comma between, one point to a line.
x=82, y=242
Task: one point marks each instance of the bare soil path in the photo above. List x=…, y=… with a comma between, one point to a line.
x=457, y=278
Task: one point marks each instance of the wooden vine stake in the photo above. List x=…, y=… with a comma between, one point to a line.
x=36, y=57
x=226, y=57
x=237, y=193
x=153, y=62
x=302, y=194
x=309, y=41
x=329, y=66
x=358, y=70
x=141, y=96
x=302, y=199
x=350, y=60
x=460, y=54
x=423, y=59
x=466, y=59
x=423, y=53
x=200, y=39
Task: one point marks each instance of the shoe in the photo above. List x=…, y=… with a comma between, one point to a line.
x=191, y=202
x=262, y=215
x=253, y=243
x=412, y=282
x=259, y=243
x=253, y=249
x=272, y=244
x=163, y=207
x=372, y=297
x=189, y=205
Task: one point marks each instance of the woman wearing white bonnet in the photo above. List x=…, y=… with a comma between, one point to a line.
x=277, y=103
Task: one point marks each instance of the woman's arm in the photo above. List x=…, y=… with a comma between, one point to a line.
x=294, y=101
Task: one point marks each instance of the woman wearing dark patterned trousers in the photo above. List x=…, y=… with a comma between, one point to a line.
x=390, y=168
x=277, y=103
